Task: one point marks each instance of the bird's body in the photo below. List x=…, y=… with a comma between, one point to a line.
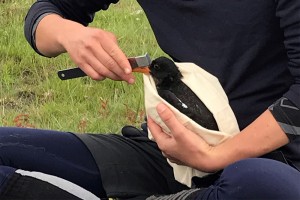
x=171, y=88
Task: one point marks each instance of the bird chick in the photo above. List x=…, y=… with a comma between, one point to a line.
x=171, y=88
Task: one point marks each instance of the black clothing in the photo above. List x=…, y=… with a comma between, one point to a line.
x=16, y=184
x=252, y=46
x=63, y=155
x=130, y=166
x=143, y=159
x=28, y=188
x=38, y=150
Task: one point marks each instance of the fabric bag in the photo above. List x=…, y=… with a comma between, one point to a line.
x=211, y=93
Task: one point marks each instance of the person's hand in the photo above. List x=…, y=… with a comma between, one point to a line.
x=97, y=53
x=181, y=146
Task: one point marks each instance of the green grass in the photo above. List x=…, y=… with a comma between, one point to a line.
x=31, y=94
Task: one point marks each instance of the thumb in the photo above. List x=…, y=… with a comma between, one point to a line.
x=170, y=120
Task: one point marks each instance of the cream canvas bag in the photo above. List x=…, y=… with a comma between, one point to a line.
x=211, y=93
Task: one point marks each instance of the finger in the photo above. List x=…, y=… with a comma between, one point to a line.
x=115, y=72
x=86, y=60
x=168, y=117
x=156, y=131
x=117, y=54
x=122, y=59
x=88, y=70
x=102, y=69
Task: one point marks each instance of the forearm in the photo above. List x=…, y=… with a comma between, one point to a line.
x=260, y=137
x=185, y=147
x=51, y=33
x=74, y=10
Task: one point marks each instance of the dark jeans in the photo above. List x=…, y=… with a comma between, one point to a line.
x=64, y=155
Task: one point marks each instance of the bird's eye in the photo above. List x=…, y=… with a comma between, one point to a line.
x=156, y=67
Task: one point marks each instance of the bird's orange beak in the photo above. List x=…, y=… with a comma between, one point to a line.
x=144, y=70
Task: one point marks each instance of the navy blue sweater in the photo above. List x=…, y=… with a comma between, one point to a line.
x=252, y=46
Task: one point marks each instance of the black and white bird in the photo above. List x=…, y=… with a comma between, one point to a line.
x=171, y=88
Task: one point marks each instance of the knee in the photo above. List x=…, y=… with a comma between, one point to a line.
x=259, y=179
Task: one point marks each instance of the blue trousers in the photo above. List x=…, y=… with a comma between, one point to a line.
x=64, y=155
x=57, y=153
x=255, y=179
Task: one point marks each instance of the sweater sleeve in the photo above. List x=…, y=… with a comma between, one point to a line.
x=288, y=12
x=81, y=11
x=287, y=109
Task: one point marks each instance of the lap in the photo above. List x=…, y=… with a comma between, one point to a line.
x=131, y=167
x=126, y=167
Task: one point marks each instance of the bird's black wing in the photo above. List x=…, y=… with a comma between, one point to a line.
x=171, y=98
x=187, y=102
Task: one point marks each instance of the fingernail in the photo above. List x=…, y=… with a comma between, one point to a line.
x=131, y=81
x=160, y=108
x=127, y=70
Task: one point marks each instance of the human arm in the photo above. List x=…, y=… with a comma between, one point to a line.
x=286, y=109
x=54, y=27
x=185, y=147
x=288, y=13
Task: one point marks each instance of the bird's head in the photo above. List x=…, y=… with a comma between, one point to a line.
x=164, y=71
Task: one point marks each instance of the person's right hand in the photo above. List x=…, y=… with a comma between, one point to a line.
x=97, y=53
x=94, y=50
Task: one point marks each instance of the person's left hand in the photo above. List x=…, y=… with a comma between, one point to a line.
x=181, y=146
